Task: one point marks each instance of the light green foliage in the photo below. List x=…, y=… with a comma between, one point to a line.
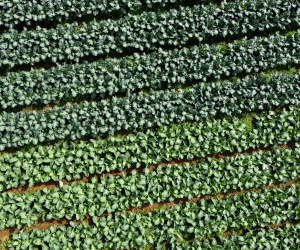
x=287, y=237
x=190, y=220
x=115, y=194
x=160, y=49
x=178, y=141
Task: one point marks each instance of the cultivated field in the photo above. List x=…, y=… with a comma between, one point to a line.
x=149, y=124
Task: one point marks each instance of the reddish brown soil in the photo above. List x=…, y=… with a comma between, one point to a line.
x=5, y=234
x=52, y=184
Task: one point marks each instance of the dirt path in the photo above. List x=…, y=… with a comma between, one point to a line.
x=52, y=184
x=5, y=234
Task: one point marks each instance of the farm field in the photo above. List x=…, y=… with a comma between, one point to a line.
x=150, y=124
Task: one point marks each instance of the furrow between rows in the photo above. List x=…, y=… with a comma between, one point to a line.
x=280, y=201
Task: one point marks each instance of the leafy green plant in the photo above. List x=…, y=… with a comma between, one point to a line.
x=118, y=193
x=178, y=141
x=270, y=238
x=148, y=31
x=124, y=231
x=157, y=70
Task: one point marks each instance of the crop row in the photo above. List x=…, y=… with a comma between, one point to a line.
x=14, y=12
x=179, y=141
x=115, y=194
x=190, y=220
x=200, y=102
x=270, y=238
x=149, y=31
x=156, y=70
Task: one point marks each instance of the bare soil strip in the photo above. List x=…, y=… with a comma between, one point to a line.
x=52, y=184
x=5, y=234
